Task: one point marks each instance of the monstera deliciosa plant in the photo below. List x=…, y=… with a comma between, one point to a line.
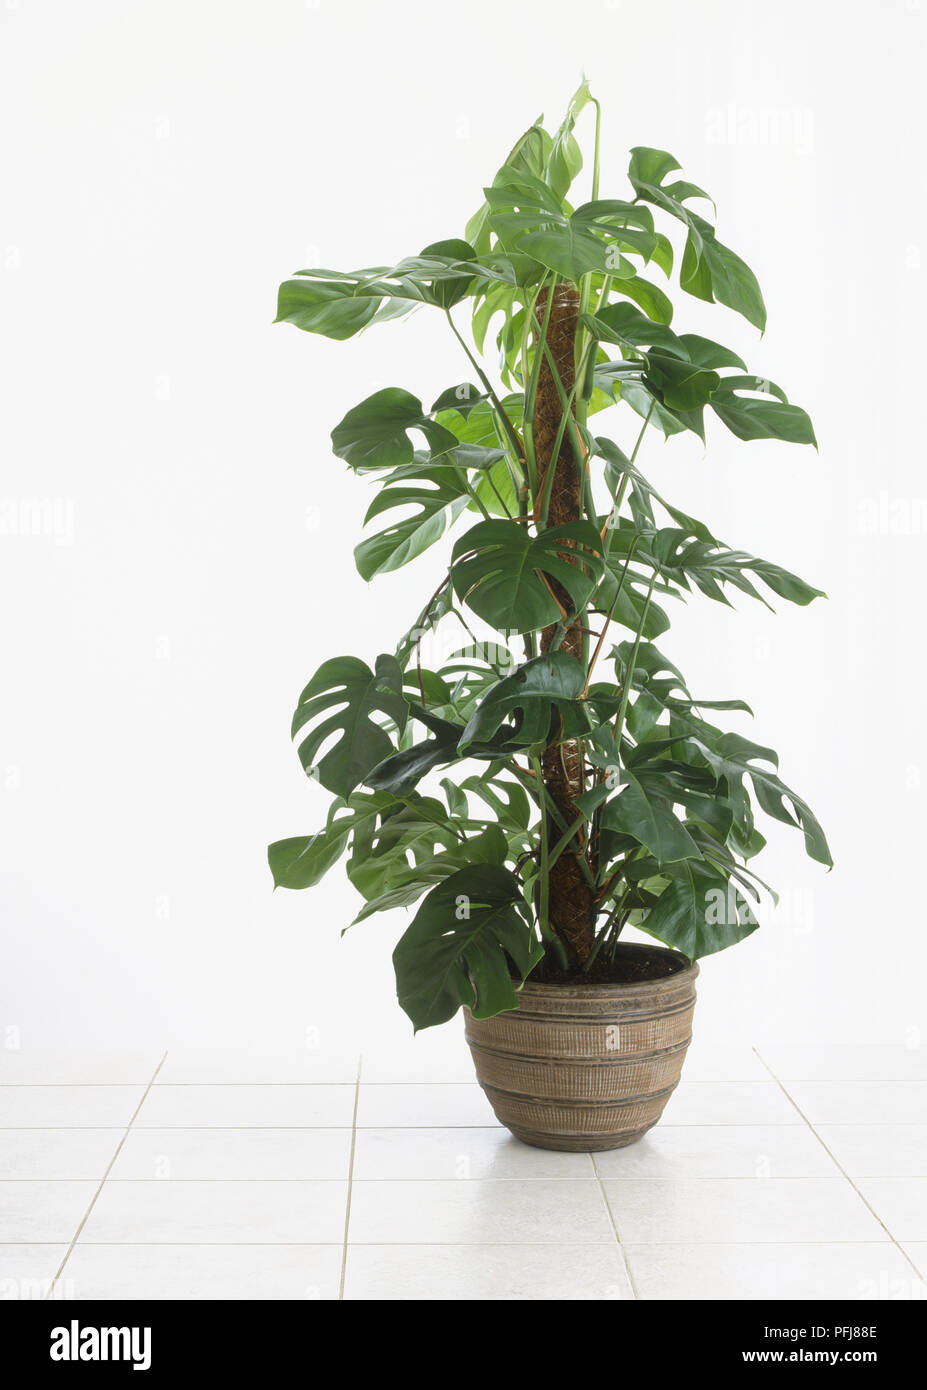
x=553, y=780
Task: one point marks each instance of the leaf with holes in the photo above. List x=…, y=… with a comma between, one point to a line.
x=347, y=686
x=462, y=946
x=375, y=434
x=505, y=575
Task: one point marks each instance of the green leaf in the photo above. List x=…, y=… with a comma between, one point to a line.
x=461, y=946
x=302, y=861
x=650, y=166
x=643, y=494
x=504, y=574
x=414, y=848
x=570, y=249
x=623, y=323
x=546, y=684
x=447, y=293
x=734, y=756
x=418, y=827
x=461, y=398
x=711, y=270
x=700, y=912
x=375, y=434
x=751, y=418
x=406, y=886
x=437, y=496
x=650, y=821
x=680, y=557
x=507, y=800
x=529, y=219
x=528, y=155
x=401, y=772
x=565, y=159
x=320, y=307
x=348, y=686
x=680, y=385
x=705, y=353
x=652, y=300
x=439, y=605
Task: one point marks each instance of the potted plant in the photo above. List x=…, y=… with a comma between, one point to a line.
x=551, y=779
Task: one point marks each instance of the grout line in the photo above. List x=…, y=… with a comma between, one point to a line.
x=125, y=1135
x=833, y=1157
x=611, y=1221
x=347, y=1210
x=727, y=1124
x=542, y=1244
x=521, y=1178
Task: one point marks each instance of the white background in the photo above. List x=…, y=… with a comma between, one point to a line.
x=164, y=165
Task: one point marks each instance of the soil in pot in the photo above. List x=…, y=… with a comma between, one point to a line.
x=631, y=965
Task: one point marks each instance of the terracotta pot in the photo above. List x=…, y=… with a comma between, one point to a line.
x=586, y=1067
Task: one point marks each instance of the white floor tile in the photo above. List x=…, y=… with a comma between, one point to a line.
x=57, y=1153
x=740, y=1151
x=242, y=1107
x=478, y=1213
x=845, y=1061
x=436, y=1054
x=33, y=1212
x=470, y=1272
x=53, y=1107
x=215, y=1066
x=203, y=1271
x=861, y=1102
x=712, y=1060
x=843, y=1271
x=650, y=1211
x=878, y=1151
x=230, y=1154
x=434, y=1106
x=250, y=1213
x=35, y=1066
x=460, y=1154
x=901, y=1203
x=916, y=1251
x=27, y=1271
x=729, y=1103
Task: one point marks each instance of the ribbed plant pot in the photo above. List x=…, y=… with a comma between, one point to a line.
x=586, y=1067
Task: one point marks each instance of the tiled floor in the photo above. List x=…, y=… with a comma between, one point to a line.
x=776, y=1173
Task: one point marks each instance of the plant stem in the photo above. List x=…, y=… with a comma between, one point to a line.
x=567, y=403
x=531, y=386
x=511, y=433
x=622, y=486
x=605, y=933
x=545, y=801
x=629, y=673
x=611, y=612
x=565, y=839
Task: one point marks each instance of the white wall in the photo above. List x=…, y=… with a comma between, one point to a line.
x=164, y=164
